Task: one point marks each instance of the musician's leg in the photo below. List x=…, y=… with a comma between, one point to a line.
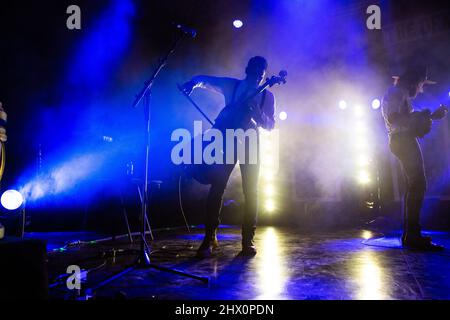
x=250, y=175
x=213, y=209
x=410, y=156
x=405, y=211
x=415, y=173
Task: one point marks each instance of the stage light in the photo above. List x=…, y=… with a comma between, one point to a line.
x=360, y=143
x=363, y=177
x=266, y=149
x=238, y=23
x=268, y=175
x=283, y=115
x=342, y=104
x=270, y=205
x=269, y=190
x=366, y=234
x=376, y=104
x=268, y=160
x=363, y=160
x=12, y=199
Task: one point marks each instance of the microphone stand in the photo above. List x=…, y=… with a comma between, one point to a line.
x=143, y=259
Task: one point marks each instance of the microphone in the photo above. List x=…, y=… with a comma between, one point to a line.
x=186, y=30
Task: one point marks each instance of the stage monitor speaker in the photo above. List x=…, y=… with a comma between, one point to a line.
x=23, y=269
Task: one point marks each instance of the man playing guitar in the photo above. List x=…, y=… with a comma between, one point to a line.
x=258, y=112
x=404, y=126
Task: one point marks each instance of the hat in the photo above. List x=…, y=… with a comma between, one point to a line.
x=415, y=73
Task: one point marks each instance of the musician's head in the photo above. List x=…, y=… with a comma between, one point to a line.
x=256, y=70
x=413, y=80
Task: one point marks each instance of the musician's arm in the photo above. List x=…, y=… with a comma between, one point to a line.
x=220, y=85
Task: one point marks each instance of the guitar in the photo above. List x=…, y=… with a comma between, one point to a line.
x=423, y=120
x=232, y=116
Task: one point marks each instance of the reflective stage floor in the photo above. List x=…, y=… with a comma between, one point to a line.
x=290, y=264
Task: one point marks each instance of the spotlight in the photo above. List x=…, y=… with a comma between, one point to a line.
x=376, y=103
x=363, y=161
x=269, y=191
x=360, y=143
x=268, y=160
x=366, y=235
x=268, y=175
x=270, y=206
x=283, y=115
x=238, y=24
x=12, y=199
x=363, y=177
x=342, y=104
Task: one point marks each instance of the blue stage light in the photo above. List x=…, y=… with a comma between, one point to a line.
x=376, y=103
x=237, y=23
x=12, y=199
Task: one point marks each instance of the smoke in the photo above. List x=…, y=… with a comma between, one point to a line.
x=63, y=178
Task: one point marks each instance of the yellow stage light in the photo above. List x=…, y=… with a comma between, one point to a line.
x=270, y=205
x=269, y=190
x=363, y=177
x=363, y=161
x=268, y=175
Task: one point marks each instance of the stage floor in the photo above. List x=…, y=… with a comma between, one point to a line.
x=290, y=264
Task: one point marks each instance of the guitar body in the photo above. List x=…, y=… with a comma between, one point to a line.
x=421, y=123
